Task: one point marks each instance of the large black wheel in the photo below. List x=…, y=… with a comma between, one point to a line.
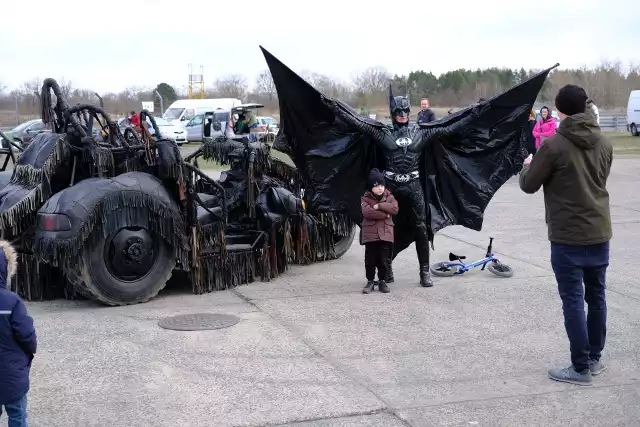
x=634, y=130
x=129, y=266
x=341, y=244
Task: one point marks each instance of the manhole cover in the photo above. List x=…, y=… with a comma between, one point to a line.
x=198, y=322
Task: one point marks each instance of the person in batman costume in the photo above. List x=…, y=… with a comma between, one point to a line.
x=442, y=173
x=402, y=147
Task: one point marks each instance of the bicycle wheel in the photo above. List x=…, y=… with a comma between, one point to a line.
x=441, y=269
x=500, y=269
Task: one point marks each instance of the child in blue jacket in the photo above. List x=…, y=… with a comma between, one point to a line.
x=17, y=343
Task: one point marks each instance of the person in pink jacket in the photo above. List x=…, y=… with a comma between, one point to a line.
x=545, y=127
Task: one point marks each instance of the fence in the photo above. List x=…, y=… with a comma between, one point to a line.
x=613, y=122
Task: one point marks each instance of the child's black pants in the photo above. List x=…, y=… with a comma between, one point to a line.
x=377, y=255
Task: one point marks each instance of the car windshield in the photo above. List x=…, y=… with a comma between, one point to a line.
x=159, y=121
x=173, y=113
x=269, y=121
x=23, y=126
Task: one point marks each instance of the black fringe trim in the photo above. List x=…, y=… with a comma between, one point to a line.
x=300, y=240
x=211, y=235
x=21, y=216
x=217, y=272
x=115, y=211
x=36, y=281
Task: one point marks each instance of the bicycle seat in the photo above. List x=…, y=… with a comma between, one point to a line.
x=454, y=257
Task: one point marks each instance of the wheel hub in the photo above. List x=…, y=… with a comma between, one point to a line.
x=130, y=253
x=135, y=251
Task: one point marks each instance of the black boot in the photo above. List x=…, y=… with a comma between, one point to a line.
x=383, y=287
x=425, y=277
x=368, y=287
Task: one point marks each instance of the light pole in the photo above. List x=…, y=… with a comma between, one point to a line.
x=17, y=109
x=100, y=98
x=155, y=91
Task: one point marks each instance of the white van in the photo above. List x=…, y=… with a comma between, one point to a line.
x=183, y=110
x=633, y=113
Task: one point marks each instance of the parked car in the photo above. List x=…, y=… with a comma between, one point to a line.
x=195, y=126
x=633, y=113
x=269, y=124
x=25, y=132
x=168, y=130
x=5, y=143
x=227, y=119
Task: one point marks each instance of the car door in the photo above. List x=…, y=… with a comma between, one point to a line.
x=33, y=130
x=195, y=128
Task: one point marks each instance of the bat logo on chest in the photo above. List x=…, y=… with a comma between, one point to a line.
x=403, y=142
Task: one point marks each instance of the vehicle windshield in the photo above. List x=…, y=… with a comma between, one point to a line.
x=173, y=113
x=270, y=121
x=159, y=121
x=23, y=126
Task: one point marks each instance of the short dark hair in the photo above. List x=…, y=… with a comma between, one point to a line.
x=571, y=99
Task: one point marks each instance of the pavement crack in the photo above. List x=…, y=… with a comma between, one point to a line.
x=511, y=396
x=312, y=419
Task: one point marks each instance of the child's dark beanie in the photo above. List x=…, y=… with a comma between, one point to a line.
x=375, y=178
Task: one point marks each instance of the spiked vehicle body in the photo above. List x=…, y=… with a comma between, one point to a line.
x=111, y=216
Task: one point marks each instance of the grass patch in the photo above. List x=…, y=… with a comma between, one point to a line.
x=204, y=164
x=624, y=143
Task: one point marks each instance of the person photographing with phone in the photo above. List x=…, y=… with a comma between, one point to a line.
x=573, y=167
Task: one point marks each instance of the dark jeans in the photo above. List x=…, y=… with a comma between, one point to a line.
x=16, y=412
x=377, y=255
x=572, y=265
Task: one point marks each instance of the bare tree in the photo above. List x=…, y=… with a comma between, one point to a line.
x=372, y=85
x=372, y=80
x=65, y=87
x=265, y=86
x=232, y=86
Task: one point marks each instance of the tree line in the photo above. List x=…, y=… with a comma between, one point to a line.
x=609, y=84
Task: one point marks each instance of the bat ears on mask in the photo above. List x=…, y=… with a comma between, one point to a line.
x=392, y=100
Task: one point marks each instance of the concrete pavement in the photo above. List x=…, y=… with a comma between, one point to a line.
x=311, y=350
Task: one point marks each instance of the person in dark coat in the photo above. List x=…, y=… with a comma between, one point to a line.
x=425, y=115
x=17, y=343
x=531, y=140
x=378, y=206
x=572, y=168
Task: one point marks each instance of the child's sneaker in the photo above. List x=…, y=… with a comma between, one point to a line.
x=368, y=287
x=383, y=287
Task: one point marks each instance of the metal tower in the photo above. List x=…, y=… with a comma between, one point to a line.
x=196, y=81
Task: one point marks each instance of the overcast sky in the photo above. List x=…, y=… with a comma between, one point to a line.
x=111, y=45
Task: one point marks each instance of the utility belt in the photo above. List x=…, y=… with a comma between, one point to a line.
x=401, y=177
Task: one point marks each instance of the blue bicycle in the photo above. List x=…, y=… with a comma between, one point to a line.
x=456, y=266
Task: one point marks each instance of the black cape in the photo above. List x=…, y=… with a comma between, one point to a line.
x=334, y=149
